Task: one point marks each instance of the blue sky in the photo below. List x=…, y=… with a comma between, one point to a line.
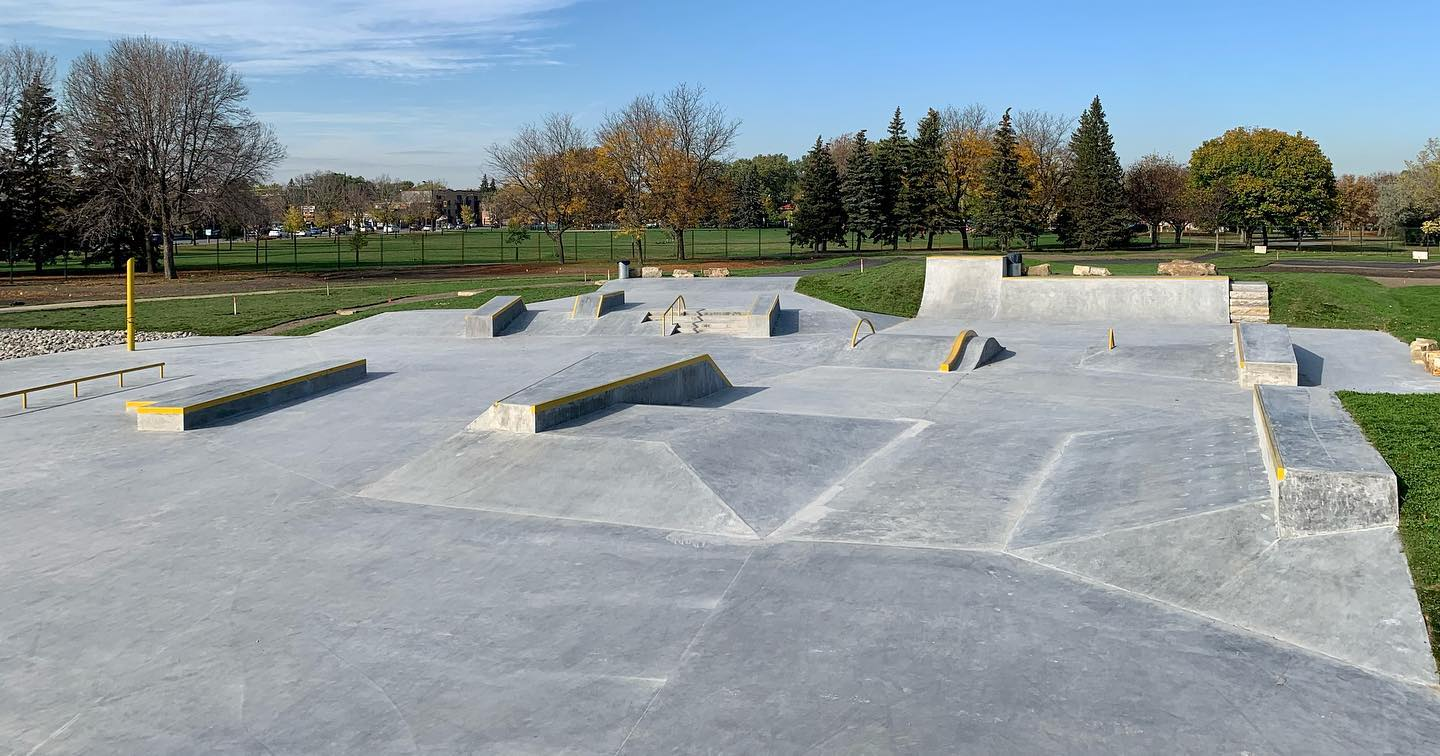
x=418, y=89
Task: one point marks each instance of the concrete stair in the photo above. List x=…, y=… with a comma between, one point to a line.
x=719, y=322
x=1249, y=302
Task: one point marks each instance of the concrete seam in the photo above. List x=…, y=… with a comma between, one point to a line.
x=1241, y=629
x=706, y=486
x=1041, y=475
x=1143, y=525
x=699, y=631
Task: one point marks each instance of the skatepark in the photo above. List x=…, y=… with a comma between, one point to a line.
x=1046, y=515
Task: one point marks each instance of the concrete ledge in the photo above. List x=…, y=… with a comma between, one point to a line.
x=1264, y=354
x=764, y=312
x=204, y=405
x=968, y=351
x=1325, y=476
x=596, y=303
x=1168, y=299
x=491, y=318
x=600, y=381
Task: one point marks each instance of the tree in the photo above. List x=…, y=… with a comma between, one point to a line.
x=748, y=208
x=819, y=214
x=516, y=234
x=358, y=242
x=467, y=216
x=891, y=157
x=1357, y=202
x=1005, y=209
x=841, y=147
x=1411, y=197
x=162, y=130
x=1045, y=158
x=1095, y=192
x=924, y=209
x=1273, y=178
x=861, y=191
x=966, y=134
x=20, y=67
x=37, y=177
x=1209, y=207
x=294, y=220
x=667, y=157
x=1155, y=187
x=551, y=176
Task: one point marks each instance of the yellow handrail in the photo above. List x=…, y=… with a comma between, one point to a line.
x=855, y=334
x=665, y=316
x=24, y=393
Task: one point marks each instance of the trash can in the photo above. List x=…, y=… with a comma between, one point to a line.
x=623, y=270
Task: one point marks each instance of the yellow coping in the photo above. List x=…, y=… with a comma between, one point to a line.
x=1269, y=437
x=575, y=306
x=967, y=257
x=955, y=348
x=600, y=303
x=513, y=302
x=1239, y=347
x=587, y=393
x=149, y=408
x=134, y=403
x=1115, y=278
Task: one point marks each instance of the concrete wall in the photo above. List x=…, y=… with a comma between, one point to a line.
x=1325, y=475
x=962, y=287
x=491, y=318
x=764, y=313
x=1108, y=299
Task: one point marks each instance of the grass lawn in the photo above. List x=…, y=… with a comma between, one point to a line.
x=528, y=294
x=1406, y=430
x=212, y=316
x=892, y=289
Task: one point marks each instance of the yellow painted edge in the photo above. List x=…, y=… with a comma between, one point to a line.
x=955, y=348
x=151, y=409
x=133, y=403
x=1269, y=437
x=502, y=310
x=587, y=393
x=575, y=306
x=966, y=257
x=1239, y=347
x=1114, y=278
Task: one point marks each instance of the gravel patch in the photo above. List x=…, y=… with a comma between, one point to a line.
x=28, y=342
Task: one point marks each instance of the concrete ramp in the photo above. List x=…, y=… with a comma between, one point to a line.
x=596, y=303
x=1325, y=475
x=490, y=319
x=968, y=351
x=600, y=381
x=962, y=287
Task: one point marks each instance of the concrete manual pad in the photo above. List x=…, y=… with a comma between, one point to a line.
x=1034, y=557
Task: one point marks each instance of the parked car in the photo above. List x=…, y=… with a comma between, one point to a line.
x=276, y=233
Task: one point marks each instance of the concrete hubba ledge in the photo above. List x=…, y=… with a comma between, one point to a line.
x=593, y=305
x=200, y=406
x=978, y=288
x=969, y=351
x=600, y=381
x=1264, y=354
x=764, y=313
x=1325, y=477
x=491, y=318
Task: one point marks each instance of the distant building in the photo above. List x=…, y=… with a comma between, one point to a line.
x=447, y=202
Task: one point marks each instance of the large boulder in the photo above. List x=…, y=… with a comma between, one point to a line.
x=1089, y=270
x=681, y=273
x=1420, y=347
x=651, y=271
x=1042, y=269
x=717, y=272
x=1432, y=362
x=1186, y=268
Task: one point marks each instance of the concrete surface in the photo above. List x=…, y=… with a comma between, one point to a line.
x=1333, y=478
x=491, y=318
x=1053, y=554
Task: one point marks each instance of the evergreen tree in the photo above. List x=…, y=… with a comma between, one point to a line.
x=861, y=191
x=923, y=201
x=749, y=209
x=1095, y=193
x=891, y=157
x=1006, y=210
x=820, y=215
x=37, y=177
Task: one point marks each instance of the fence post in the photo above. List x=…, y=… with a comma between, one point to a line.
x=422, y=247
x=462, y=246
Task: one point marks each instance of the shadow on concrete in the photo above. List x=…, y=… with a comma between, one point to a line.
x=787, y=323
x=233, y=419
x=1311, y=366
x=520, y=323
x=71, y=401
x=1000, y=356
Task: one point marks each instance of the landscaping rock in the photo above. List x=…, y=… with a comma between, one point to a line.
x=1042, y=269
x=28, y=342
x=651, y=271
x=1432, y=362
x=1419, y=348
x=1186, y=268
x=681, y=273
x=1089, y=270
x=717, y=272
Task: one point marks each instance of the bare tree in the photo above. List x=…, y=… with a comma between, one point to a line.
x=1155, y=189
x=841, y=147
x=1044, y=140
x=550, y=175
x=668, y=157
x=161, y=130
x=20, y=66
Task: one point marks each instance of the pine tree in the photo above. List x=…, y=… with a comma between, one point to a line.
x=1005, y=210
x=749, y=210
x=37, y=178
x=1095, y=193
x=820, y=215
x=861, y=191
x=923, y=201
x=891, y=157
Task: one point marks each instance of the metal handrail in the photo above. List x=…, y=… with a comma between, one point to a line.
x=24, y=393
x=855, y=334
x=665, y=316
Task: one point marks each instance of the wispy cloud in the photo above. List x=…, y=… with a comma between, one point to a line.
x=395, y=38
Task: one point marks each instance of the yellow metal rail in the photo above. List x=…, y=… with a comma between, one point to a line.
x=855, y=334
x=25, y=393
x=665, y=316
